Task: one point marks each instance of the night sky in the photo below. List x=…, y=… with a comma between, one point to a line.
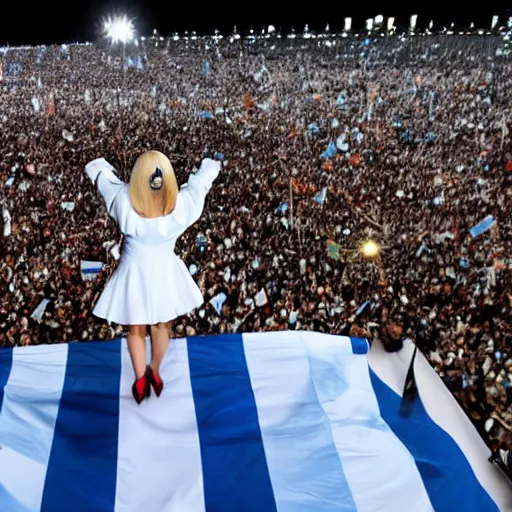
x=49, y=21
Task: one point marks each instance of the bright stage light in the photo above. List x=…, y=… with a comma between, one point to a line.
x=370, y=249
x=119, y=30
x=391, y=24
x=348, y=24
x=494, y=22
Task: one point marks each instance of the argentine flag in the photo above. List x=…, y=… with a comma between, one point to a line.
x=330, y=152
x=267, y=422
x=90, y=269
x=320, y=197
x=485, y=225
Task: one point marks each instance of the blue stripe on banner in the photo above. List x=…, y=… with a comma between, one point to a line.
x=235, y=471
x=446, y=473
x=359, y=345
x=5, y=370
x=82, y=468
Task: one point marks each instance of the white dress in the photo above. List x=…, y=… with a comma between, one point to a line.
x=151, y=284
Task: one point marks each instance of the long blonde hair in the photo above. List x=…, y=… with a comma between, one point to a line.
x=145, y=201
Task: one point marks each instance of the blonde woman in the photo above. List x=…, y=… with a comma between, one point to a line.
x=151, y=286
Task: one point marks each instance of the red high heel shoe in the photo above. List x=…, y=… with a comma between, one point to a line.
x=141, y=389
x=155, y=380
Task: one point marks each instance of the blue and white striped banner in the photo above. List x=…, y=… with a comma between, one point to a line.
x=272, y=422
x=90, y=269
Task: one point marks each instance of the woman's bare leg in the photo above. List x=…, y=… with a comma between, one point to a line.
x=137, y=348
x=159, y=344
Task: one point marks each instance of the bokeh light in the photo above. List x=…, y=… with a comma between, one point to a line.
x=370, y=249
x=119, y=30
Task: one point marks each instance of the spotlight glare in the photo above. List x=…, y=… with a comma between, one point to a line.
x=370, y=249
x=119, y=30
x=412, y=22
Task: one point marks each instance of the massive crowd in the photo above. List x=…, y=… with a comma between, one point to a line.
x=324, y=146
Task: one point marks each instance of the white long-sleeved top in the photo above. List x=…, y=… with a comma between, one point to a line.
x=151, y=284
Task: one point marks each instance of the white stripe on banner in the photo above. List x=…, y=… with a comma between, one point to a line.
x=303, y=463
x=27, y=421
x=159, y=457
x=382, y=474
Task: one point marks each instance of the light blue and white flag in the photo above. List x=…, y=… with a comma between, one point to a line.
x=341, y=144
x=330, y=152
x=340, y=100
x=37, y=314
x=6, y=217
x=90, y=269
x=282, y=208
x=313, y=128
x=36, y=104
x=218, y=301
x=68, y=206
x=362, y=307
x=320, y=197
x=267, y=422
x=483, y=226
